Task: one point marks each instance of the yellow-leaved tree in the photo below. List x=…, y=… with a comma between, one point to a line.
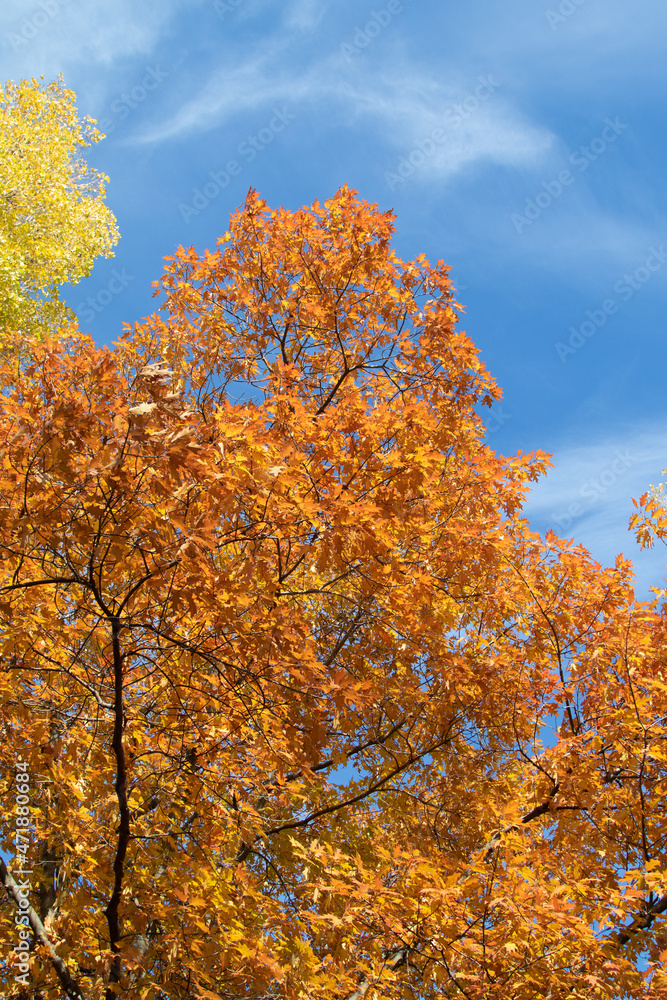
x=53, y=219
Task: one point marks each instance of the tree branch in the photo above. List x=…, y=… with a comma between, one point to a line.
x=540, y=810
x=644, y=921
x=68, y=984
x=111, y=912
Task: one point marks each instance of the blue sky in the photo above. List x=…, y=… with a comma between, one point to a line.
x=523, y=142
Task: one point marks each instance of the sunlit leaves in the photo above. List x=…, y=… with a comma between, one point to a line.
x=53, y=220
x=320, y=715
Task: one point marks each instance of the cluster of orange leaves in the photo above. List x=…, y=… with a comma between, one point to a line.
x=314, y=712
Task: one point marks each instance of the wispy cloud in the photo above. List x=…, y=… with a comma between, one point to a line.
x=305, y=15
x=229, y=92
x=401, y=106
x=588, y=496
x=455, y=127
x=69, y=34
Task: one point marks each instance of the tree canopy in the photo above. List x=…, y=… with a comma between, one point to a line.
x=53, y=219
x=307, y=707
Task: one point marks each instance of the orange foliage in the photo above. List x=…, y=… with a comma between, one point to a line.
x=321, y=716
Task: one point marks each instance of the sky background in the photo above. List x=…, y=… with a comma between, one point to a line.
x=522, y=142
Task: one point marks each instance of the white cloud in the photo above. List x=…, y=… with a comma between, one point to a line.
x=59, y=36
x=305, y=15
x=228, y=92
x=457, y=128
x=401, y=106
x=588, y=496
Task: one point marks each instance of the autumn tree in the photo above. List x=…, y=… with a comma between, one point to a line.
x=305, y=708
x=53, y=219
x=649, y=521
